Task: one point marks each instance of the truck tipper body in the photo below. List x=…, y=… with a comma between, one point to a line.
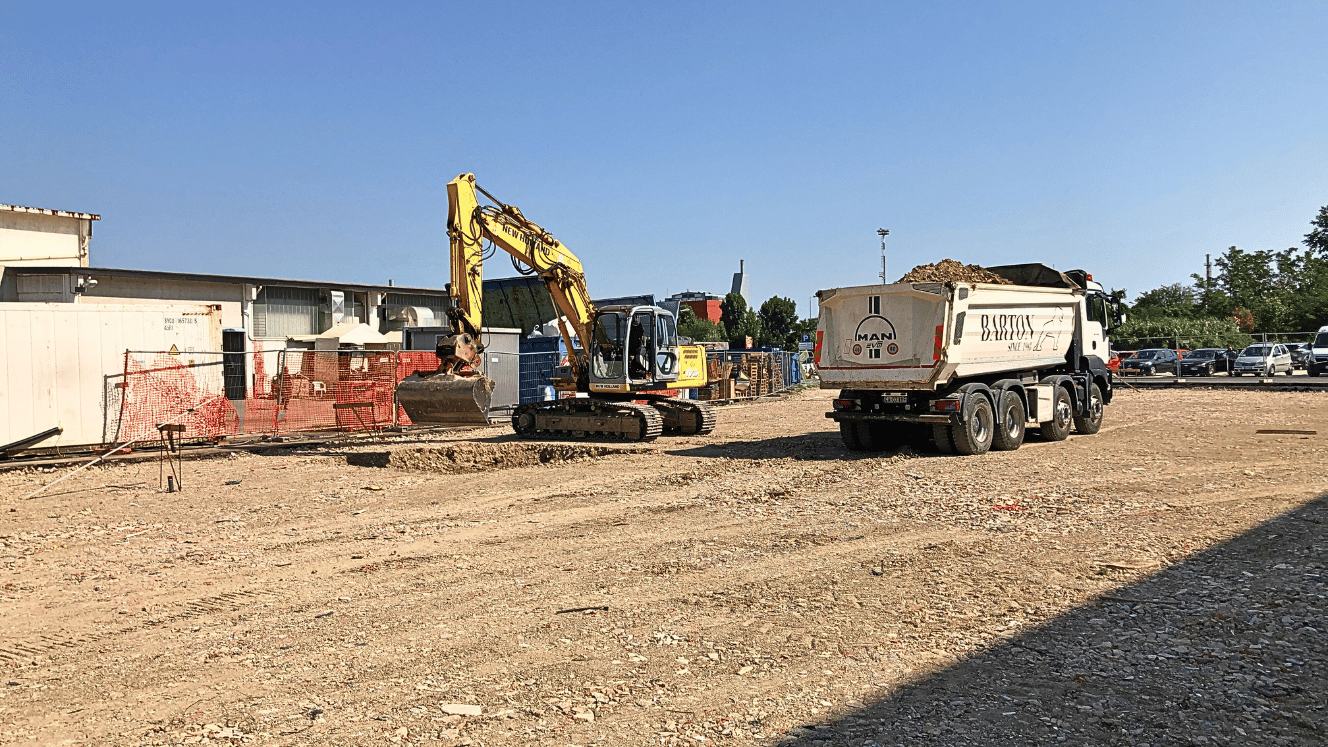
x=967, y=366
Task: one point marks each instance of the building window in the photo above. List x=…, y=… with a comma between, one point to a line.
x=282, y=312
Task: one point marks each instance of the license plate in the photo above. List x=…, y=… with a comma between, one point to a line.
x=894, y=399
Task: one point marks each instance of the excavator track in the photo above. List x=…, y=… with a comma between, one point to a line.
x=583, y=417
x=684, y=417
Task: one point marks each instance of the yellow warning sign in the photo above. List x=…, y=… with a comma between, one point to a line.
x=173, y=351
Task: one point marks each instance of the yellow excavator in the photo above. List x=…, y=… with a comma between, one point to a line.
x=619, y=357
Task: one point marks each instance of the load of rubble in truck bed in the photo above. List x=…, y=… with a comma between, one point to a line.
x=950, y=271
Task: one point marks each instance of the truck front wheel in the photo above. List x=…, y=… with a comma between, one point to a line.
x=1010, y=425
x=1062, y=417
x=1091, y=421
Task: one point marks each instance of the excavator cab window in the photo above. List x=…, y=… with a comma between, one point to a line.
x=607, y=351
x=641, y=346
x=666, y=347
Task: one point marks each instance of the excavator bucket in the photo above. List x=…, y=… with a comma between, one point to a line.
x=446, y=399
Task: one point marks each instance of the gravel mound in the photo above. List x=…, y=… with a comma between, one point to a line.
x=948, y=270
x=462, y=458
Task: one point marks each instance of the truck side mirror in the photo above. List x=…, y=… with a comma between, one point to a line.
x=1117, y=317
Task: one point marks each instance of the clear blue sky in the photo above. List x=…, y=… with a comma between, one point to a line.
x=664, y=142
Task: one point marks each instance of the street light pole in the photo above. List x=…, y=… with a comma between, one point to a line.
x=883, y=232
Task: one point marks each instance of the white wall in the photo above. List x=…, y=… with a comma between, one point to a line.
x=46, y=240
x=55, y=358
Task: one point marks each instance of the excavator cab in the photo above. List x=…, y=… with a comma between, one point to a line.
x=633, y=348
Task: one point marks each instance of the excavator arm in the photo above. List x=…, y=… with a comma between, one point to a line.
x=469, y=224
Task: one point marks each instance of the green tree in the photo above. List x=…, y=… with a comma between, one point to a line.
x=1173, y=300
x=749, y=326
x=778, y=315
x=731, y=311
x=805, y=327
x=1164, y=332
x=1317, y=239
x=698, y=329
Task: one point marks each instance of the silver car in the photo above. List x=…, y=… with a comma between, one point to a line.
x=1263, y=359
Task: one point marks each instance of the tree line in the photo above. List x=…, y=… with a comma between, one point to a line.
x=1266, y=291
x=775, y=324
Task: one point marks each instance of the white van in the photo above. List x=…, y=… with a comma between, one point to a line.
x=1318, y=360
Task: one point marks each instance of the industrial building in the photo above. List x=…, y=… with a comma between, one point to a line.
x=272, y=311
x=38, y=236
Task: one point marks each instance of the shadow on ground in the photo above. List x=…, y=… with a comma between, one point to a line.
x=818, y=446
x=809, y=446
x=1228, y=647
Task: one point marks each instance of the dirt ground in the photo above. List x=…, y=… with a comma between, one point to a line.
x=1161, y=582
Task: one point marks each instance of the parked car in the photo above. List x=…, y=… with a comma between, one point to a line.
x=1301, y=352
x=1263, y=359
x=1113, y=363
x=1317, y=361
x=1149, y=362
x=1206, y=362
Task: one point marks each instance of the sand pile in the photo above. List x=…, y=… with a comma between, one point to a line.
x=948, y=270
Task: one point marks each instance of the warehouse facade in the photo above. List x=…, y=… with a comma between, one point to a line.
x=38, y=236
x=269, y=311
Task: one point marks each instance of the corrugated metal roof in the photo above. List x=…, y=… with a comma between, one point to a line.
x=44, y=211
x=201, y=277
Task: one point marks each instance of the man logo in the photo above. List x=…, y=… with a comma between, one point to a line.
x=874, y=328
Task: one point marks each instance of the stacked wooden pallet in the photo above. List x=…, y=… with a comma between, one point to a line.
x=758, y=368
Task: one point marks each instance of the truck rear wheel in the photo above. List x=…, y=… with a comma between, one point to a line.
x=848, y=433
x=973, y=434
x=1091, y=421
x=1062, y=416
x=872, y=436
x=1010, y=425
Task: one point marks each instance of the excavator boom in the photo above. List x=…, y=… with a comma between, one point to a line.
x=457, y=393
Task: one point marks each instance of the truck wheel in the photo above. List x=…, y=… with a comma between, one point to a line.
x=940, y=437
x=1010, y=428
x=973, y=434
x=1091, y=421
x=848, y=433
x=1062, y=417
x=878, y=436
x=1313, y=370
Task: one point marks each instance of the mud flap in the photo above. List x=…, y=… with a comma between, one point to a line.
x=446, y=399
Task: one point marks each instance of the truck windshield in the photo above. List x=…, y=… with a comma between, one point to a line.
x=1321, y=340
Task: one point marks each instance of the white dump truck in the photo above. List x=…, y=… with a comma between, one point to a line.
x=967, y=366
